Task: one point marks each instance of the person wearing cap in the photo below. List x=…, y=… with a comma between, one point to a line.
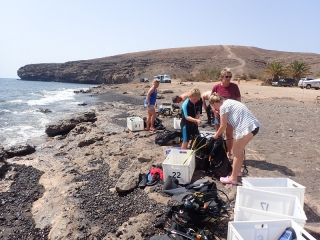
x=190, y=117
x=150, y=103
x=227, y=90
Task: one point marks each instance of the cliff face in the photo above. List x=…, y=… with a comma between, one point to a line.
x=179, y=62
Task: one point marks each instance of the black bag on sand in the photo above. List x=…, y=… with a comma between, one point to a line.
x=202, y=147
x=211, y=156
x=157, y=123
x=168, y=137
x=220, y=165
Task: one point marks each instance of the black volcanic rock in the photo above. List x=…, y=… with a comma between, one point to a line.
x=63, y=126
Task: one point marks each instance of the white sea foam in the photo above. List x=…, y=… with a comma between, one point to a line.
x=15, y=101
x=5, y=111
x=20, y=134
x=53, y=96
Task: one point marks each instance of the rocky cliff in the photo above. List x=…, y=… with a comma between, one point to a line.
x=175, y=62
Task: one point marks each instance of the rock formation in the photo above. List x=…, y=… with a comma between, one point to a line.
x=177, y=62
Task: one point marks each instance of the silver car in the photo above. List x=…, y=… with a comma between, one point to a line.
x=315, y=83
x=300, y=83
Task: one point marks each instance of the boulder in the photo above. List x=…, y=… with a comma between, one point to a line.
x=128, y=181
x=163, y=91
x=3, y=167
x=45, y=110
x=89, y=140
x=3, y=154
x=63, y=126
x=20, y=150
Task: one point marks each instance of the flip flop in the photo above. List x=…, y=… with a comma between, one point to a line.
x=226, y=180
x=153, y=129
x=147, y=129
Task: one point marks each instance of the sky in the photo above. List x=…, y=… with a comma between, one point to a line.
x=58, y=31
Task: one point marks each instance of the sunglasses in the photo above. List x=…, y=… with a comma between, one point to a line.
x=228, y=76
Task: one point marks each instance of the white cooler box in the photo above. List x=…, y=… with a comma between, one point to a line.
x=255, y=205
x=135, y=123
x=173, y=165
x=265, y=229
x=279, y=185
x=176, y=123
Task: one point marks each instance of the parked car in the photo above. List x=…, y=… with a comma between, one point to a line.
x=315, y=83
x=286, y=82
x=274, y=83
x=164, y=78
x=300, y=83
x=143, y=80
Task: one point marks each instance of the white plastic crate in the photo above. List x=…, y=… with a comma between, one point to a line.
x=265, y=229
x=279, y=185
x=135, y=123
x=254, y=205
x=176, y=123
x=173, y=165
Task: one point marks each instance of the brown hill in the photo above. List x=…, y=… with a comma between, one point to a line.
x=175, y=62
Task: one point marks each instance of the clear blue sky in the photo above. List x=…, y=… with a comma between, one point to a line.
x=57, y=31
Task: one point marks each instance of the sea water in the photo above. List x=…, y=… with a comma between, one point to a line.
x=21, y=101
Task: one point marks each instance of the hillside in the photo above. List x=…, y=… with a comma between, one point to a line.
x=175, y=62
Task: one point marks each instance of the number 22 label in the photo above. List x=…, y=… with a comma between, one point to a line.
x=176, y=174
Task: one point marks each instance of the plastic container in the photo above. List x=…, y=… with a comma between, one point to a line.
x=173, y=165
x=169, y=149
x=264, y=229
x=207, y=134
x=279, y=185
x=255, y=205
x=176, y=123
x=135, y=123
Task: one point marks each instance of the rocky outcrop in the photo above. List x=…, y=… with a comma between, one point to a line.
x=179, y=62
x=3, y=167
x=20, y=150
x=3, y=154
x=65, y=125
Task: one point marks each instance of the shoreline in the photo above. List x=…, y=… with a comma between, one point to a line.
x=84, y=176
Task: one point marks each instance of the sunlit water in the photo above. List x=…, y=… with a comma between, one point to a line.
x=20, y=101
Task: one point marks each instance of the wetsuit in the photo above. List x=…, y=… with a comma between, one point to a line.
x=189, y=129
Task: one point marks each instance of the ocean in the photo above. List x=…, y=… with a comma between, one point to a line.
x=21, y=120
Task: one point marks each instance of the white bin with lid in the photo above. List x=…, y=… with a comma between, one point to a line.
x=254, y=205
x=176, y=123
x=179, y=164
x=135, y=123
x=265, y=229
x=279, y=185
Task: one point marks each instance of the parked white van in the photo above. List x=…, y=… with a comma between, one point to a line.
x=300, y=83
x=315, y=83
x=164, y=78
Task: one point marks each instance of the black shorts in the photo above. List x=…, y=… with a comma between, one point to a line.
x=255, y=131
